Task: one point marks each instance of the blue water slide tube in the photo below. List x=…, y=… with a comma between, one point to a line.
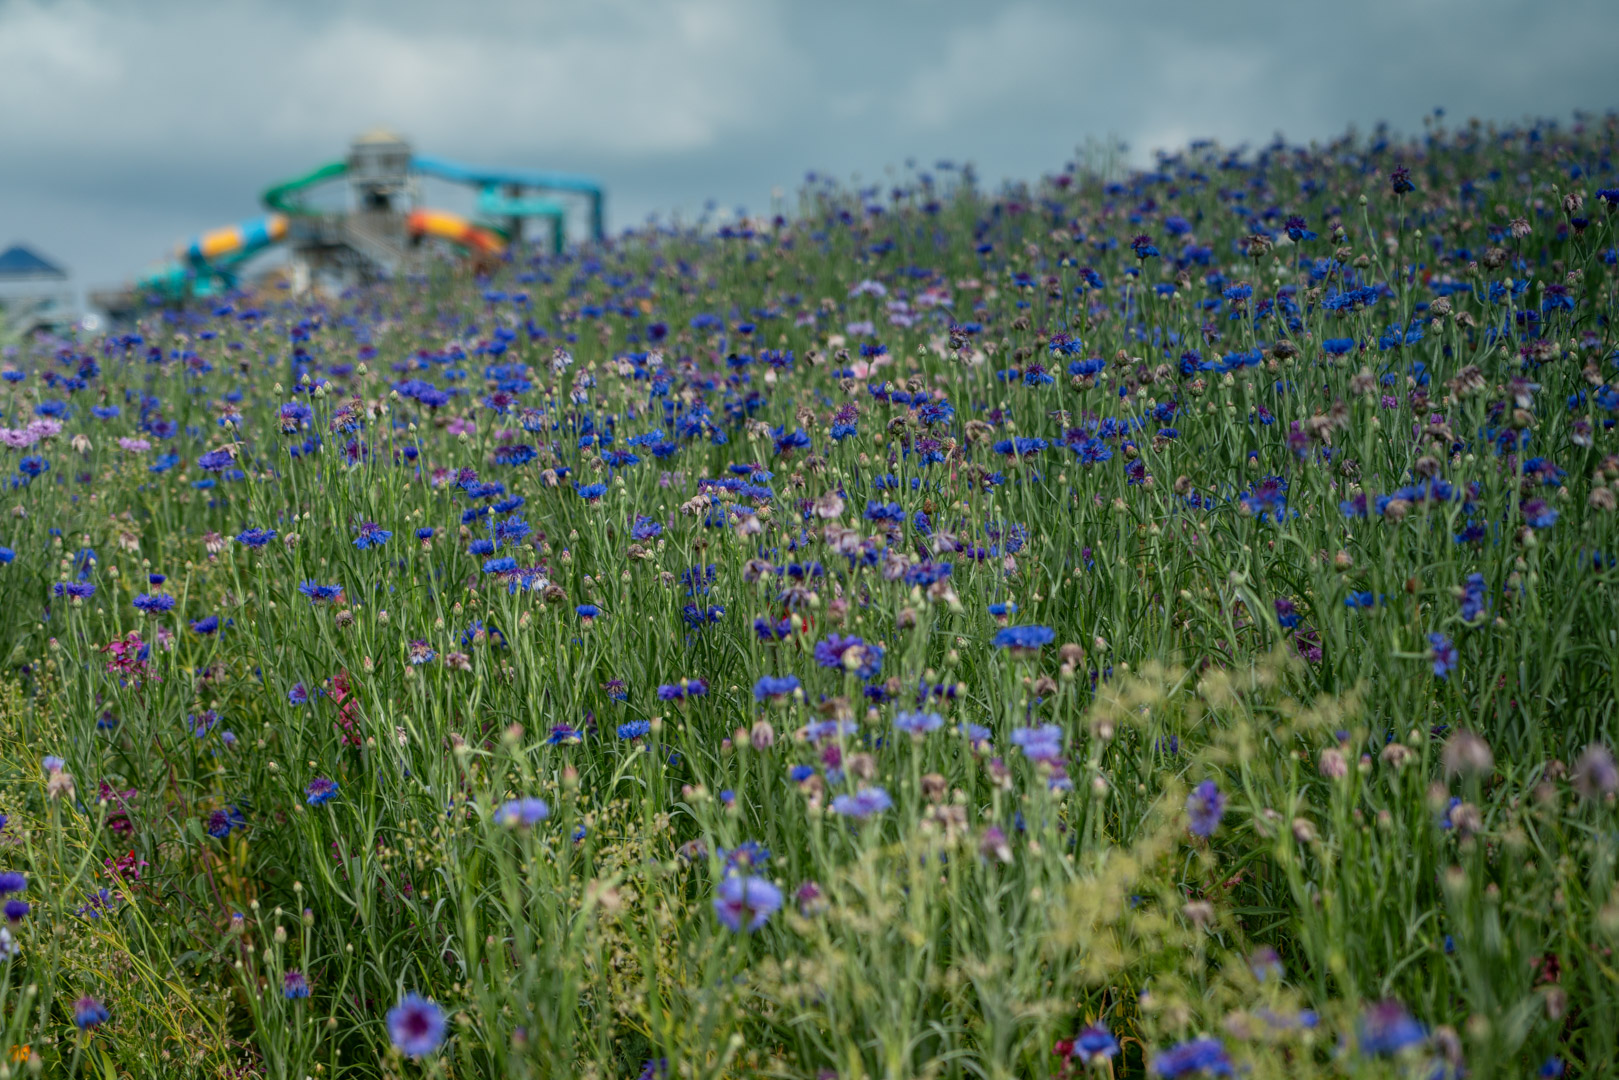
x=488, y=179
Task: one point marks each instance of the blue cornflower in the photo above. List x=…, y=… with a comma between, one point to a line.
x=1204, y=808
x=746, y=903
x=1538, y=514
x=320, y=791
x=1043, y=743
x=863, y=803
x=634, y=729
x=416, y=1026
x=1473, y=598
x=1206, y=1056
x=371, y=535
x=918, y=723
x=773, y=686
x=220, y=824
x=255, y=538
x=1386, y=1028
x=525, y=812
x=1443, y=652
x=1095, y=1043
x=592, y=492
x=294, y=985
x=503, y=565
x=1023, y=639
x=151, y=603
x=89, y=1013
x=318, y=593
x=206, y=625
x=854, y=654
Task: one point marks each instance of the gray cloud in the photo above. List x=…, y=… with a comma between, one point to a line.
x=126, y=128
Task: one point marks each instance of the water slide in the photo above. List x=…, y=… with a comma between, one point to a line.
x=206, y=264
x=492, y=202
x=282, y=197
x=506, y=197
x=234, y=243
x=454, y=228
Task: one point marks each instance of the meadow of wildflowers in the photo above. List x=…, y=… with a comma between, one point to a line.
x=1148, y=624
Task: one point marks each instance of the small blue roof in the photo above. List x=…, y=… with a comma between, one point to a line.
x=20, y=262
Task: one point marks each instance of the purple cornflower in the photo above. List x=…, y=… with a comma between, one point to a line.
x=1204, y=807
x=746, y=903
x=416, y=1026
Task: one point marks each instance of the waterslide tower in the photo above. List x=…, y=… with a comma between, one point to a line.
x=379, y=172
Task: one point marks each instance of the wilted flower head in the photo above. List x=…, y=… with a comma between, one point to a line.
x=1466, y=754
x=1595, y=774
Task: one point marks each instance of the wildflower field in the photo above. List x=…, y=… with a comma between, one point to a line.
x=1157, y=623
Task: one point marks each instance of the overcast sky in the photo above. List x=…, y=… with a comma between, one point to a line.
x=127, y=127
